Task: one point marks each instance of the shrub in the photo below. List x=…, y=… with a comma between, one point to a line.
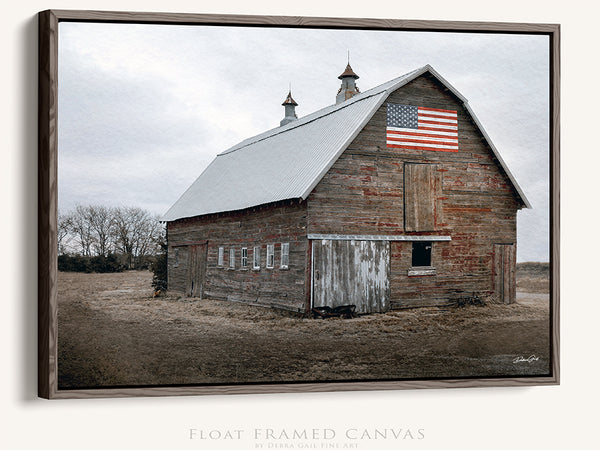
x=88, y=264
x=75, y=263
x=106, y=264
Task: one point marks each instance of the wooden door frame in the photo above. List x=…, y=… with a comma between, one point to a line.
x=197, y=268
x=500, y=248
x=189, y=245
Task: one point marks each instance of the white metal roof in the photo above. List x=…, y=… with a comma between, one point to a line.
x=287, y=162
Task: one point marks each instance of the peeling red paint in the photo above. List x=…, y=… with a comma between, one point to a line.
x=386, y=224
x=368, y=169
x=467, y=209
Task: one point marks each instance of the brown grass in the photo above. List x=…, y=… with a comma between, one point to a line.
x=113, y=333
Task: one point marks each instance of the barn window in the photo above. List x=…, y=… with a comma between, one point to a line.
x=244, y=260
x=270, y=255
x=176, y=264
x=256, y=258
x=421, y=259
x=421, y=254
x=232, y=258
x=285, y=255
x=221, y=256
x=422, y=188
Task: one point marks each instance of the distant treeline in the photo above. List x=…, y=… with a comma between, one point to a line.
x=97, y=238
x=533, y=268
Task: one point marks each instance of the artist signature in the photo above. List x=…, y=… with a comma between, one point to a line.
x=520, y=359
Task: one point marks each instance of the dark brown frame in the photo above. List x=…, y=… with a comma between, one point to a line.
x=47, y=194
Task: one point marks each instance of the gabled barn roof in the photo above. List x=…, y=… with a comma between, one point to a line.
x=287, y=162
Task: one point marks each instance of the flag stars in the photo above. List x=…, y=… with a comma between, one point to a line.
x=402, y=116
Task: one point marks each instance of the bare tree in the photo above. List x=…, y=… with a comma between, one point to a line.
x=82, y=230
x=64, y=226
x=135, y=234
x=101, y=222
x=122, y=233
x=145, y=239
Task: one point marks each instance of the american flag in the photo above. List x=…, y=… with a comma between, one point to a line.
x=420, y=128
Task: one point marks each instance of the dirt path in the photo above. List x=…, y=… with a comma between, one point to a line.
x=113, y=333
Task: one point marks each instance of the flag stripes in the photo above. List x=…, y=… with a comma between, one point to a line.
x=420, y=128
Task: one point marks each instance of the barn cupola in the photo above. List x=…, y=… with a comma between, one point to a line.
x=348, y=89
x=290, y=109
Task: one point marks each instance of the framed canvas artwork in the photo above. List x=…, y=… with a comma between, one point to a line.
x=249, y=204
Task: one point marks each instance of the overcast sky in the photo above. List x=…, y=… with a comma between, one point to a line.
x=143, y=109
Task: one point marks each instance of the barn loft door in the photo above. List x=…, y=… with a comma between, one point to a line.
x=505, y=273
x=351, y=273
x=196, y=270
x=422, y=189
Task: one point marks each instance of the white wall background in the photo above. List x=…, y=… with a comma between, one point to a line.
x=534, y=418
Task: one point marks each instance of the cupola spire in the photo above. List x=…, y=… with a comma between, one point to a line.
x=290, y=109
x=348, y=89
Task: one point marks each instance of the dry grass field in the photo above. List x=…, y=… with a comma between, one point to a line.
x=113, y=333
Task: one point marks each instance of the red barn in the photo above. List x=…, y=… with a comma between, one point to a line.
x=391, y=198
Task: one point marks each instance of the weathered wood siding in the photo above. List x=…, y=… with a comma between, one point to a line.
x=273, y=224
x=363, y=194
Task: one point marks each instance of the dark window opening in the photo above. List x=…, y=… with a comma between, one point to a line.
x=421, y=254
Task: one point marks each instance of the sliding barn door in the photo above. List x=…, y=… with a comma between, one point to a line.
x=351, y=273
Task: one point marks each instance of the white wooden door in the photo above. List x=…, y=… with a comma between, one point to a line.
x=351, y=273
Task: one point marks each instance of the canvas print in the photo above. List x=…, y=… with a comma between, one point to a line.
x=242, y=205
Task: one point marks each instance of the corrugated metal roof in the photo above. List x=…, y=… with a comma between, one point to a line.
x=287, y=162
